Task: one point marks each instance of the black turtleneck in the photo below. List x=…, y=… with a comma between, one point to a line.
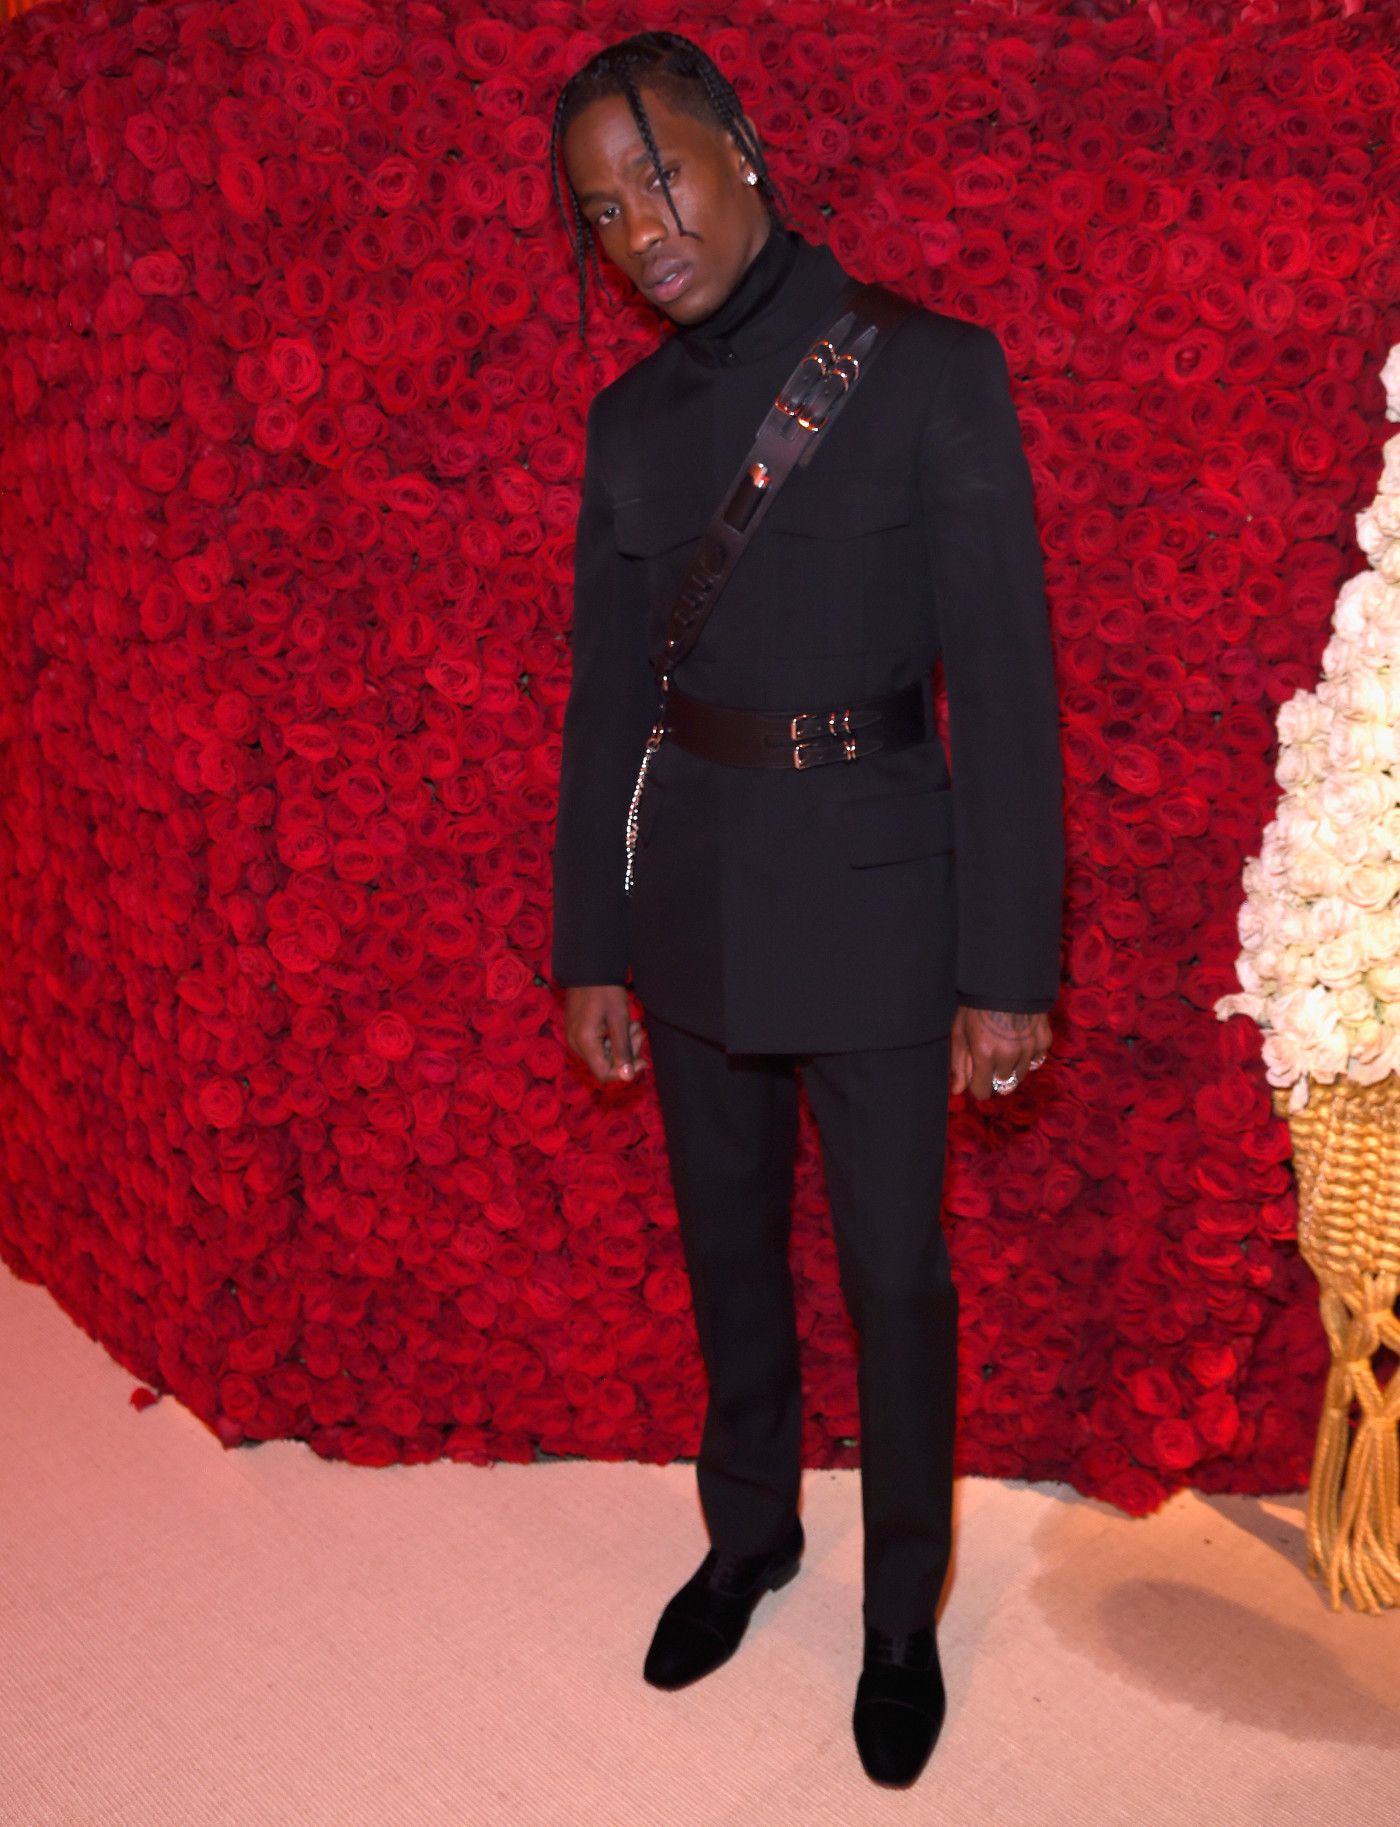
x=784, y=285
x=757, y=287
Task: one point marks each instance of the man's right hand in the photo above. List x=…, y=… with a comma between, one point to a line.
x=597, y=1027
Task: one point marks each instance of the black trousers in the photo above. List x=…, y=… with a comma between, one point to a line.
x=731, y=1131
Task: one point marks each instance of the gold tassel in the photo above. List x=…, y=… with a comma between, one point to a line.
x=1346, y=1153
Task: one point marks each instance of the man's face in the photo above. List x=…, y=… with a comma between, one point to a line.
x=685, y=275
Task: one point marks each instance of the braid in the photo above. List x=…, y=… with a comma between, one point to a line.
x=691, y=81
x=575, y=224
x=639, y=115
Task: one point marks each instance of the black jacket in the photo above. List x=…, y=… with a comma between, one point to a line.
x=846, y=906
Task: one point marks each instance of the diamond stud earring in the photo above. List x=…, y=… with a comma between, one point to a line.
x=751, y=177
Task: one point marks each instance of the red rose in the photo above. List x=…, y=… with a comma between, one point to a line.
x=295, y=369
x=241, y=182
x=161, y=274
x=221, y=1103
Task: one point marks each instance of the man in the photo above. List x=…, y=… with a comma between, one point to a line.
x=862, y=923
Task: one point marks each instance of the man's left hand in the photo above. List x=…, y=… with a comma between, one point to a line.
x=993, y=1051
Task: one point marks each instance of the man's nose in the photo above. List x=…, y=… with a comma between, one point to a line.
x=646, y=225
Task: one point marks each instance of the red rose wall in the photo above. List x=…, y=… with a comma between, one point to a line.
x=293, y=401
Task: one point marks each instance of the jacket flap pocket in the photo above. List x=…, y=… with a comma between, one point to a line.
x=830, y=505
x=652, y=524
x=898, y=827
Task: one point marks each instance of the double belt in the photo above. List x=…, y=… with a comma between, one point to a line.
x=802, y=739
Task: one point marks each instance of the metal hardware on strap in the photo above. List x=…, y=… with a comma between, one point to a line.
x=817, y=754
x=844, y=722
x=822, y=378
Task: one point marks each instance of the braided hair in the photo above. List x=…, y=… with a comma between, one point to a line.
x=689, y=80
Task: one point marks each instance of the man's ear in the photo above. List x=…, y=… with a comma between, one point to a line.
x=752, y=133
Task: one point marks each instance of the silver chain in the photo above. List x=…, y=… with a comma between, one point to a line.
x=654, y=741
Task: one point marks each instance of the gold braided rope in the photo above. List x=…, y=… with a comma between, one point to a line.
x=1346, y=1154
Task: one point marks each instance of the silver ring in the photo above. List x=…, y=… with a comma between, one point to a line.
x=1038, y=1062
x=1004, y=1086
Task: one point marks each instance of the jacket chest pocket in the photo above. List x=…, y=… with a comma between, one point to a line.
x=834, y=547
x=826, y=559
x=659, y=532
x=650, y=525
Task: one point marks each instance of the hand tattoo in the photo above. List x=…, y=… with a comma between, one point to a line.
x=1004, y=1024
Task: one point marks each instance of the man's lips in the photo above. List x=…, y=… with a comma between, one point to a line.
x=666, y=280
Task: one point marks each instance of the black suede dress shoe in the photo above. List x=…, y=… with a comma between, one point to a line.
x=705, y=1622
x=900, y=1705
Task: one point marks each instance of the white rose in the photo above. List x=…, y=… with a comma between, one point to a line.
x=1385, y=834
x=1298, y=967
x=1271, y=865
x=1372, y=886
x=1295, y=820
x=1303, y=716
x=1290, y=924
x=1259, y=878
x=1343, y=653
x=1313, y=873
x=1352, y=799
x=1298, y=764
x=1390, y=380
x=1339, y=962
x=1256, y=979
x=1354, y=744
x=1362, y=698
x=1254, y=925
x=1353, y=845
x=1385, y=511
x=1383, y=980
x=1382, y=934
x=1380, y=646
x=1361, y=604
x=1253, y=1006
x=1380, y=1065
x=1283, y=1058
x=1367, y=1040
x=1328, y=1059
x=1356, y=1005
x=1327, y=916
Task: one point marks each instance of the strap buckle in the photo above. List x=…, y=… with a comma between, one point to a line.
x=840, y=723
x=815, y=366
x=817, y=751
x=823, y=750
x=822, y=378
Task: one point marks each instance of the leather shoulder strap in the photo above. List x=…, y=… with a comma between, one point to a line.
x=798, y=420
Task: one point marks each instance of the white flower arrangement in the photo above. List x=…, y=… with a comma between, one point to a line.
x=1320, y=925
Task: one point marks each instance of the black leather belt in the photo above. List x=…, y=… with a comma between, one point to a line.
x=807, y=739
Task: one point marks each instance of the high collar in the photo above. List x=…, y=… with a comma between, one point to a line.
x=786, y=286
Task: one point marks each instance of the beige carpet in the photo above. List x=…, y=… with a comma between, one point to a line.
x=190, y=1637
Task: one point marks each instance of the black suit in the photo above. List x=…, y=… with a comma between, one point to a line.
x=847, y=909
